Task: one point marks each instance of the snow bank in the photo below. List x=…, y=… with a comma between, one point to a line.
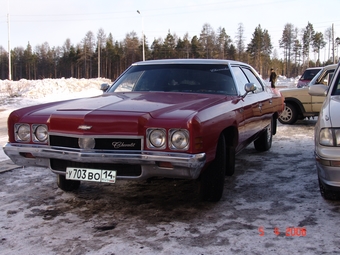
x=16, y=94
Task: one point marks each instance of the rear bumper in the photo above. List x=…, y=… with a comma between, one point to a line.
x=179, y=165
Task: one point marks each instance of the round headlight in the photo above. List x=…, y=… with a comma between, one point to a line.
x=157, y=138
x=23, y=133
x=180, y=140
x=41, y=133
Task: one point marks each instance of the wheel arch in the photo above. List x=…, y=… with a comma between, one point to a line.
x=230, y=136
x=296, y=102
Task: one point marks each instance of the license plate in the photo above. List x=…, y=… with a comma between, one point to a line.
x=93, y=175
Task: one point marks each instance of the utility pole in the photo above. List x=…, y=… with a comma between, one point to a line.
x=142, y=34
x=9, y=46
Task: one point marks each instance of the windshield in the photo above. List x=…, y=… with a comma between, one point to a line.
x=309, y=74
x=313, y=81
x=190, y=78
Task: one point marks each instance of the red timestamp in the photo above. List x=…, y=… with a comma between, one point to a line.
x=290, y=231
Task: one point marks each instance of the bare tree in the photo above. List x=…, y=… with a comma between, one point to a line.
x=328, y=37
x=337, y=43
x=88, y=49
x=207, y=40
x=240, y=41
x=131, y=51
x=101, y=40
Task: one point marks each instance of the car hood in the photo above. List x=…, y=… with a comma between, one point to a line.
x=294, y=92
x=158, y=105
x=121, y=112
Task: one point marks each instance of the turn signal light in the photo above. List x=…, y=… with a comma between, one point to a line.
x=27, y=155
x=165, y=165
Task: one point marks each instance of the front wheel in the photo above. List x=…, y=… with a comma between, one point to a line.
x=67, y=185
x=289, y=114
x=212, y=179
x=327, y=193
x=230, y=161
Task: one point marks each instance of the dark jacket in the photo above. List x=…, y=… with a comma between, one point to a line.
x=272, y=78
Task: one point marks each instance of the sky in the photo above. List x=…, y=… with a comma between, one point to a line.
x=54, y=21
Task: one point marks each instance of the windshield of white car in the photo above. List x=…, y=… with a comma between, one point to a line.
x=312, y=82
x=309, y=74
x=189, y=78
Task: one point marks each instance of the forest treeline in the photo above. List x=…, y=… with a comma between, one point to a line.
x=101, y=55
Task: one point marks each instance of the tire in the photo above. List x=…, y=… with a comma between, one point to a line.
x=230, y=161
x=212, y=179
x=264, y=142
x=327, y=193
x=289, y=114
x=67, y=185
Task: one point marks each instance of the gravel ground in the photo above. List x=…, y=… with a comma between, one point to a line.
x=271, y=205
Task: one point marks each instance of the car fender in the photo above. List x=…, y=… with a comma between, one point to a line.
x=296, y=102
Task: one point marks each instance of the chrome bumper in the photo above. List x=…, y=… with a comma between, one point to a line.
x=186, y=166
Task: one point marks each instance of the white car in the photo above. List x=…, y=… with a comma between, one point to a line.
x=327, y=137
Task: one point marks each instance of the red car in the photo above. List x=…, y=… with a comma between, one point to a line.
x=165, y=118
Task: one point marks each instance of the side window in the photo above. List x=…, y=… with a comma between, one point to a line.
x=327, y=77
x=240, y=78
x=253, y=79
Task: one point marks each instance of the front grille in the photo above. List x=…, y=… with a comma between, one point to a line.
x=122, y=170
x=121, y=144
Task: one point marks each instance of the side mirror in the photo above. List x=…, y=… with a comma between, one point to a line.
x=104, y=87
x=318, y=90
x=249, y=87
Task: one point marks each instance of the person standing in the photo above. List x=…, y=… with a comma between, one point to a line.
x=272, y=78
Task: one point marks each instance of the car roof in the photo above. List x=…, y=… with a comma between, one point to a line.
x=315, y=67
x=189, y=61
x=333, y=66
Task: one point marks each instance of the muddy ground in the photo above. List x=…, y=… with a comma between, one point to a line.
x=272, y=205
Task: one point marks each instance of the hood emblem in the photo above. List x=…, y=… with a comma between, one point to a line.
x=84, y=127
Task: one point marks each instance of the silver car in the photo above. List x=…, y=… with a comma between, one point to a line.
x=327, y=137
